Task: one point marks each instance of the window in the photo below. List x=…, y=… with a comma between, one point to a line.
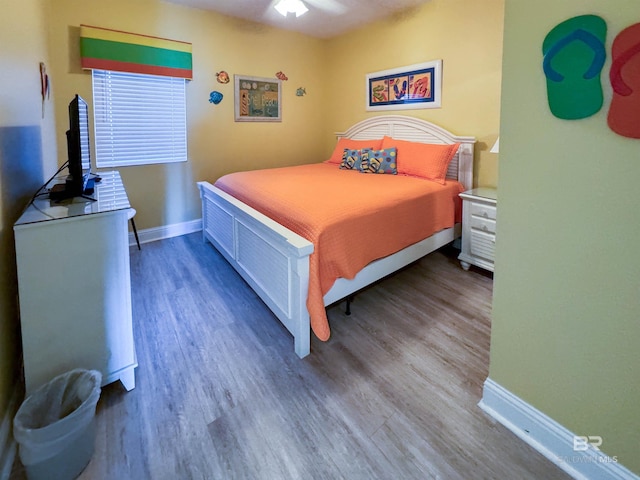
x=138, y=119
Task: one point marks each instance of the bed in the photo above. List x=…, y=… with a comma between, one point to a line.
x=280, y=265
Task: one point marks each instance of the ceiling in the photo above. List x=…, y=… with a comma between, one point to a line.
x=325, y=18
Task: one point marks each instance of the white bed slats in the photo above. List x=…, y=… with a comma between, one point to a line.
x=371, y=133
x=452, y=170
x=218, y=217
x=267, y=265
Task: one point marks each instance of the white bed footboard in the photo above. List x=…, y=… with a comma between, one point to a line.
x=273, y=260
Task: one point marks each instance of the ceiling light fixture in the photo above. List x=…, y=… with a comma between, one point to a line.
x=291, y=6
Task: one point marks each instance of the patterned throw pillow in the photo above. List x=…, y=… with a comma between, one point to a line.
x=351, y=159
x=379, y=161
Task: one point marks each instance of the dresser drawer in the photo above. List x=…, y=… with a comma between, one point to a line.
x=483, y=211
x=483, y=224
x=483, y=245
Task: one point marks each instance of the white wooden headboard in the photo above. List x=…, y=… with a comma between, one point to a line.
x=416, y=130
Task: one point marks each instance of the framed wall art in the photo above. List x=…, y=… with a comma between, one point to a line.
x=257, y=99
x=413, y=86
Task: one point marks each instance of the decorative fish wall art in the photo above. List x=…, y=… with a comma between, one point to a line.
x=215, y=97
x=222, y=77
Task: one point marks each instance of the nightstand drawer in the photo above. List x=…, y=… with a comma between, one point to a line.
x=483, y=211
x=483, y=245
x=486, y=225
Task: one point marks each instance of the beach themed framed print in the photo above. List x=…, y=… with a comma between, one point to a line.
x=257, y=99
x=413, y=86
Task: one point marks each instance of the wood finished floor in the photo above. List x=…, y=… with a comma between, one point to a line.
x=220, y=393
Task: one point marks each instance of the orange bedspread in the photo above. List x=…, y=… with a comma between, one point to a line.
x=350, y=217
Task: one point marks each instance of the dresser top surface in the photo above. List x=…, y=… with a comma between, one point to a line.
x=109, y=195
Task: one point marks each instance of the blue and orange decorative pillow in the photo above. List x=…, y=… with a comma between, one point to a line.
x=368, y=160
x=379, y=161
x=351, y=159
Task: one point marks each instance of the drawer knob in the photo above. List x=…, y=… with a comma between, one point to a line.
x=484, y=214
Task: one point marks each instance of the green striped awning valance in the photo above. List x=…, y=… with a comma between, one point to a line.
x=104, y=49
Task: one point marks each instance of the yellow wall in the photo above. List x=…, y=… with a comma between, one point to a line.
x=167, y=194
x=565, y=331
x=466, y=35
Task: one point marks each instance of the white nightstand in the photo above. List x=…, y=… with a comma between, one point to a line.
x=479, y=208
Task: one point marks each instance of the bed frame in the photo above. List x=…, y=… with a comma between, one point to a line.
x=274, y=261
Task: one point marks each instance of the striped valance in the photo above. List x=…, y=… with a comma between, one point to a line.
x=104, y=49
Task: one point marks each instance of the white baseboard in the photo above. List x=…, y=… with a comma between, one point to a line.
x=167, y=231
x=549, y=437
x=8, y=446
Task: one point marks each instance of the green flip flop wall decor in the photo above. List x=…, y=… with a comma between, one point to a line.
x=574, y=54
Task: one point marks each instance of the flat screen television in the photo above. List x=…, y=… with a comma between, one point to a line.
x=78, y=150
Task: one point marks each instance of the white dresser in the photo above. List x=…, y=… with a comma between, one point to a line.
x=479, y=209
x=74, y=286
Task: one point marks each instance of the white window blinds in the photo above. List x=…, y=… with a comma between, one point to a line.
x=138, y=119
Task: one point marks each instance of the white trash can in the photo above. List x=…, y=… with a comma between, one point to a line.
x=55, y=426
